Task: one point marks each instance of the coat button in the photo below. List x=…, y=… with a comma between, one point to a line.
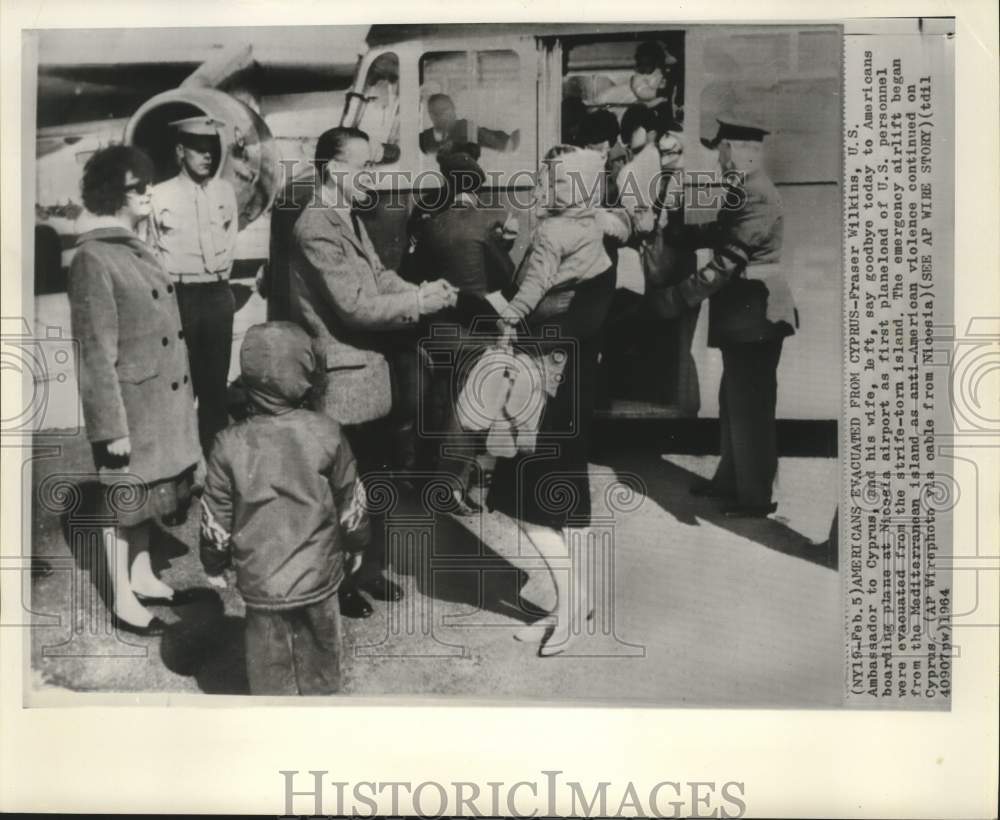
x=185, y=380
x=156, y=293
x=180, y=334
x=174, y=386
x=170, y=288
x=166, y=341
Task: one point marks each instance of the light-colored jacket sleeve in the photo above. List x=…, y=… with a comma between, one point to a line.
x=94, y=318
x=540, y=269
x=391, y=282
x=338, y=282
x=215, y=541
x=615, y=223
x=349, y=496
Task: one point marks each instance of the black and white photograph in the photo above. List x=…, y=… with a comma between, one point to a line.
x=460, y=360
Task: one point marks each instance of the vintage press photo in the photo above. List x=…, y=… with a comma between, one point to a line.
x=595, y=363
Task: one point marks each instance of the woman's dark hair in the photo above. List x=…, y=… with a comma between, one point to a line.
x=103, y=184
x=599, y=126
x=332, y=143
x=659, y=119
x=636, y=117
x=651, y=52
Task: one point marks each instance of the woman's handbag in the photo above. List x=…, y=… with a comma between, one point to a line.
x=486, y=386
x=504, y=393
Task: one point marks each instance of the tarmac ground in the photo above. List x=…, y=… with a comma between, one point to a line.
x=693, y=609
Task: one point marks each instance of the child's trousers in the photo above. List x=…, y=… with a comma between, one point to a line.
x=295, y=651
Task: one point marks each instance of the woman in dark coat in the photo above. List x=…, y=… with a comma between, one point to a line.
x=463, y=243
x=134, y=380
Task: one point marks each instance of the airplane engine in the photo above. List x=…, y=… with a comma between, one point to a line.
x=249, y=158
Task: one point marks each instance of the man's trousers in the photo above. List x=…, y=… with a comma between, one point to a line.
x=747, y=400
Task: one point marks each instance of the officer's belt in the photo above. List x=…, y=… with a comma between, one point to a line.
x=199, y=278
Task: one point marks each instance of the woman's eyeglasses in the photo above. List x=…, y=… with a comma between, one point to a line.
x=137, y=188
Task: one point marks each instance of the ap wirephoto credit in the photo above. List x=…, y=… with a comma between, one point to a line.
x=490, y=361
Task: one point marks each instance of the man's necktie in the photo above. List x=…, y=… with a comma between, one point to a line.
x=356, y=224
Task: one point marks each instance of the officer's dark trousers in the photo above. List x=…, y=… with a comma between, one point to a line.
x=295, y=652
x=747, y=398
x=207, y=319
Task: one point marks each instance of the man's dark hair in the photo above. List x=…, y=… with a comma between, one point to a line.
x=651, y=52
x=332, y=144
x=462, y=174
x=433, y=98
x=103, y=184
x=599, y=126
x=574, y=112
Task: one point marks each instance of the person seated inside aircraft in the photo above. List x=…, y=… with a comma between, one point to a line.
x=650, y=84
x=447, y=129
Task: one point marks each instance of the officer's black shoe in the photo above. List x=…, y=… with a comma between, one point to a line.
x=381, y=588
x=353, y=604
x=750, y=510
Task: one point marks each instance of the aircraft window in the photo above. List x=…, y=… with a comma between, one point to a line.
x=380, y=114
x=471, y=97
x=614, y=75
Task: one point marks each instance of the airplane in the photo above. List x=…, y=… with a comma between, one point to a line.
x=277, y=91
x=104, y=86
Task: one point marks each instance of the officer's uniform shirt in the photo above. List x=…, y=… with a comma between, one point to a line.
x=194, y=228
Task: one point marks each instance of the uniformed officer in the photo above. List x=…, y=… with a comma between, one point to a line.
x=194, y=226
x=750, y=313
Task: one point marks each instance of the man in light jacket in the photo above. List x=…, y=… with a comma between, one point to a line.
x=350, y=304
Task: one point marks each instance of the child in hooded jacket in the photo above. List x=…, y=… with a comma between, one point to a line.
x=567, y=247
x=283, y=504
